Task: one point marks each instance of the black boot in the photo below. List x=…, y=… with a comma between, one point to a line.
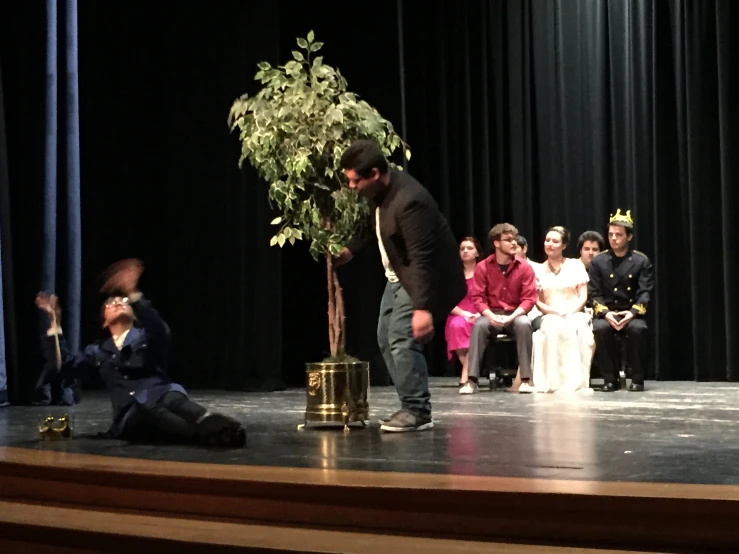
x=221, y=430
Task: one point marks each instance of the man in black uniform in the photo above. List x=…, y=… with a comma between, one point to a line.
x=621, y=283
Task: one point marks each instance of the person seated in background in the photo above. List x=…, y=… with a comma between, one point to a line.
x=504, y=291
x=522, y=252
x=621, y=283
x=563, y=345
x=460, y=320
x=147, y=405
x=589, y=245
x=534, y=314
x=522, y=247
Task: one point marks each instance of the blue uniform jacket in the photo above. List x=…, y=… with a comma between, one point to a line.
x=134, y=374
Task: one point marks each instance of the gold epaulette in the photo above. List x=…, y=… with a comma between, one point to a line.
x=640, y=253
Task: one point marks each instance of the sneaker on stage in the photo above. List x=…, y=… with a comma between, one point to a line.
x=388, y=419
x=525, y=388
x=470, y=387
x=404, y=421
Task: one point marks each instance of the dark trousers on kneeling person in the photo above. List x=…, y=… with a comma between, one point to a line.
x=483, y=332
x=606, y=349
x=402, y=354
x=177, y=419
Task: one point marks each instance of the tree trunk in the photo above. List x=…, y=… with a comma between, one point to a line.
x=336, y=331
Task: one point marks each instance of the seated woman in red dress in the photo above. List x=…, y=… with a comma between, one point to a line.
x=460, y=321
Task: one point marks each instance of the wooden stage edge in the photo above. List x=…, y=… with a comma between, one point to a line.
x=314, y=510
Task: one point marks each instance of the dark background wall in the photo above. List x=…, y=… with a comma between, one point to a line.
x=537, y=113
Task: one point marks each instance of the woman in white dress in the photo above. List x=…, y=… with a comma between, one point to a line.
x=564, y=344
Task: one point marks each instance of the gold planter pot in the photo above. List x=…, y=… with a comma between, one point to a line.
x=337, y=393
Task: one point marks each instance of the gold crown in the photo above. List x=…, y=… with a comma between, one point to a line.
x=618, y=217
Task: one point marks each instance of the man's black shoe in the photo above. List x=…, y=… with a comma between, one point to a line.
x=221, y=430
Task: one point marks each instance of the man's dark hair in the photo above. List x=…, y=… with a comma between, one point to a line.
x=627, y=227
x=594, y=236
x=363, y=156
x=521, y=240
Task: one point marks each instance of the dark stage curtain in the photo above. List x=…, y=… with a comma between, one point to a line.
x=162, y=177
x=6, y=352
x=62, y=244
x=560, y=112
x=537, y=113
x=159, y=181
x=696, y=197
x=61, y=248
x=42, y=237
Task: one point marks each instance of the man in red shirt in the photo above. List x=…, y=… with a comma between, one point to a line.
x=504, y=291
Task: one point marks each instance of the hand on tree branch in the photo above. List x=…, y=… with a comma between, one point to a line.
x=343, y=257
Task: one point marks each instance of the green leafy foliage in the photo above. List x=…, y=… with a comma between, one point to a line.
x=294, y=131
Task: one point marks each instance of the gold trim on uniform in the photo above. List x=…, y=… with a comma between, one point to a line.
x=641, y=308
x=598, y=307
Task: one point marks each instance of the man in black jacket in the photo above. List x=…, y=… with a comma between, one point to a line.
x=620, y=287
x=423, y=268
x=147, y=405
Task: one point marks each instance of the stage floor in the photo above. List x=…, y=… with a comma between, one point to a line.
x=675, y=432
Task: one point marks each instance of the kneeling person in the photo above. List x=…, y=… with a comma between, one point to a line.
x=147, y=405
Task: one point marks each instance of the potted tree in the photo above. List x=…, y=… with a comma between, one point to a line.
x=294, y=131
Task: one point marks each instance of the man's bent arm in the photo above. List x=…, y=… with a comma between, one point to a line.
x=529, y=294
x=595, y=291
x=71, y=364
x=644, y=290
x=479, y=290
x=157, y=331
